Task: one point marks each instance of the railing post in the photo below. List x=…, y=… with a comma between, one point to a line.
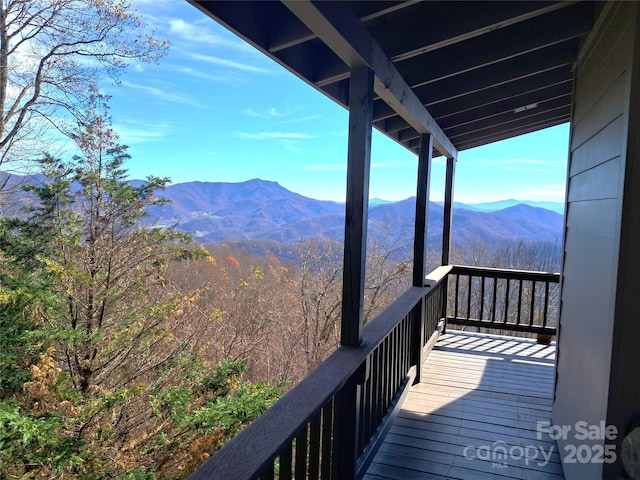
x=346, y=447
x=445, y=301
x=418, y=337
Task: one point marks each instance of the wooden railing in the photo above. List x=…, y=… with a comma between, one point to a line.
x=331, y=424
x=510, y=300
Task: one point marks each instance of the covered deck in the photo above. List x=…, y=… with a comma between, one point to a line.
x=413, y=401
x=475, y=414
x=442, y=77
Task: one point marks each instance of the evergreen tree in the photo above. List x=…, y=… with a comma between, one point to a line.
x=94, y=383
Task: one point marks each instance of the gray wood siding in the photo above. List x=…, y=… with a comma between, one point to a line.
x=596, y=176
x=624, y=384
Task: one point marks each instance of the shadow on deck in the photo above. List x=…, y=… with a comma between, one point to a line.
x=475, y=414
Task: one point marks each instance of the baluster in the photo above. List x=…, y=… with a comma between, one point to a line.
x=455, y=310
x=327, y=440
x=301, y=454
x=286, y=458
x=470, y=280
x=546, y=304
x=506, y=302
x=482, y=278
x=533, y=302
x=314, y=448
x=519, y=301
x=494, y=300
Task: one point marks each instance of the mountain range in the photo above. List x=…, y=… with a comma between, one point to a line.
x=265, y=216
x=264, y=210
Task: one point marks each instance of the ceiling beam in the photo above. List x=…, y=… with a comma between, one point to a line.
x=286, y=38
x=343, y=32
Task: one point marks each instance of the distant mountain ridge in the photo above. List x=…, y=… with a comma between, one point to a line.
x=502, y=204
x=252, y=209
x=263, y=210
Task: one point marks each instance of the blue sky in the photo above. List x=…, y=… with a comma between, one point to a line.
x=217, y=110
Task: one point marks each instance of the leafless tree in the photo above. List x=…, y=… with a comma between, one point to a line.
x=51, y=54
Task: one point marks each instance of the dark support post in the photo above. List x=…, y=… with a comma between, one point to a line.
x=422, y=210
x=448, y=210
x=419, y=244
x=355, y=235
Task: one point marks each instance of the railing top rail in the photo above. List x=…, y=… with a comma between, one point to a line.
x=437, y=275
x=506, y=273
x=254, y=448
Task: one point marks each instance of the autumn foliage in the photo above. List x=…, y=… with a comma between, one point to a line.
x=100, y=374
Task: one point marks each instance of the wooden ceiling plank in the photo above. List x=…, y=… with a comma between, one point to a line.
x=507, y=109
x=472, y=19
x=502, y=123
x=514, y=132
x=494, y=47
x=496, y=75
x=498, y=46
x=496, y=136
x=488, y=96
x=492, y=102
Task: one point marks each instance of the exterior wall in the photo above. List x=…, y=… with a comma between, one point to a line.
x=596, y=325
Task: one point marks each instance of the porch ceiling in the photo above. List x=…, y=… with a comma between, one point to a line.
x=470, y=73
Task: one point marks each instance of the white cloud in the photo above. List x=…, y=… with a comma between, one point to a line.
x=136, y=132
x=223, y=62
x=194, y=33
x=207, y=76
x=271, y=113
x=290, y=145
x=287, y=140
x=163, y=94
x=251, y=112
x=273, y=135
x=301, y=119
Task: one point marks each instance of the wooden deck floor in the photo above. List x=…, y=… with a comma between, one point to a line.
x=481, y=396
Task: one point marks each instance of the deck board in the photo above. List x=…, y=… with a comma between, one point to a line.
x=479, y=393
